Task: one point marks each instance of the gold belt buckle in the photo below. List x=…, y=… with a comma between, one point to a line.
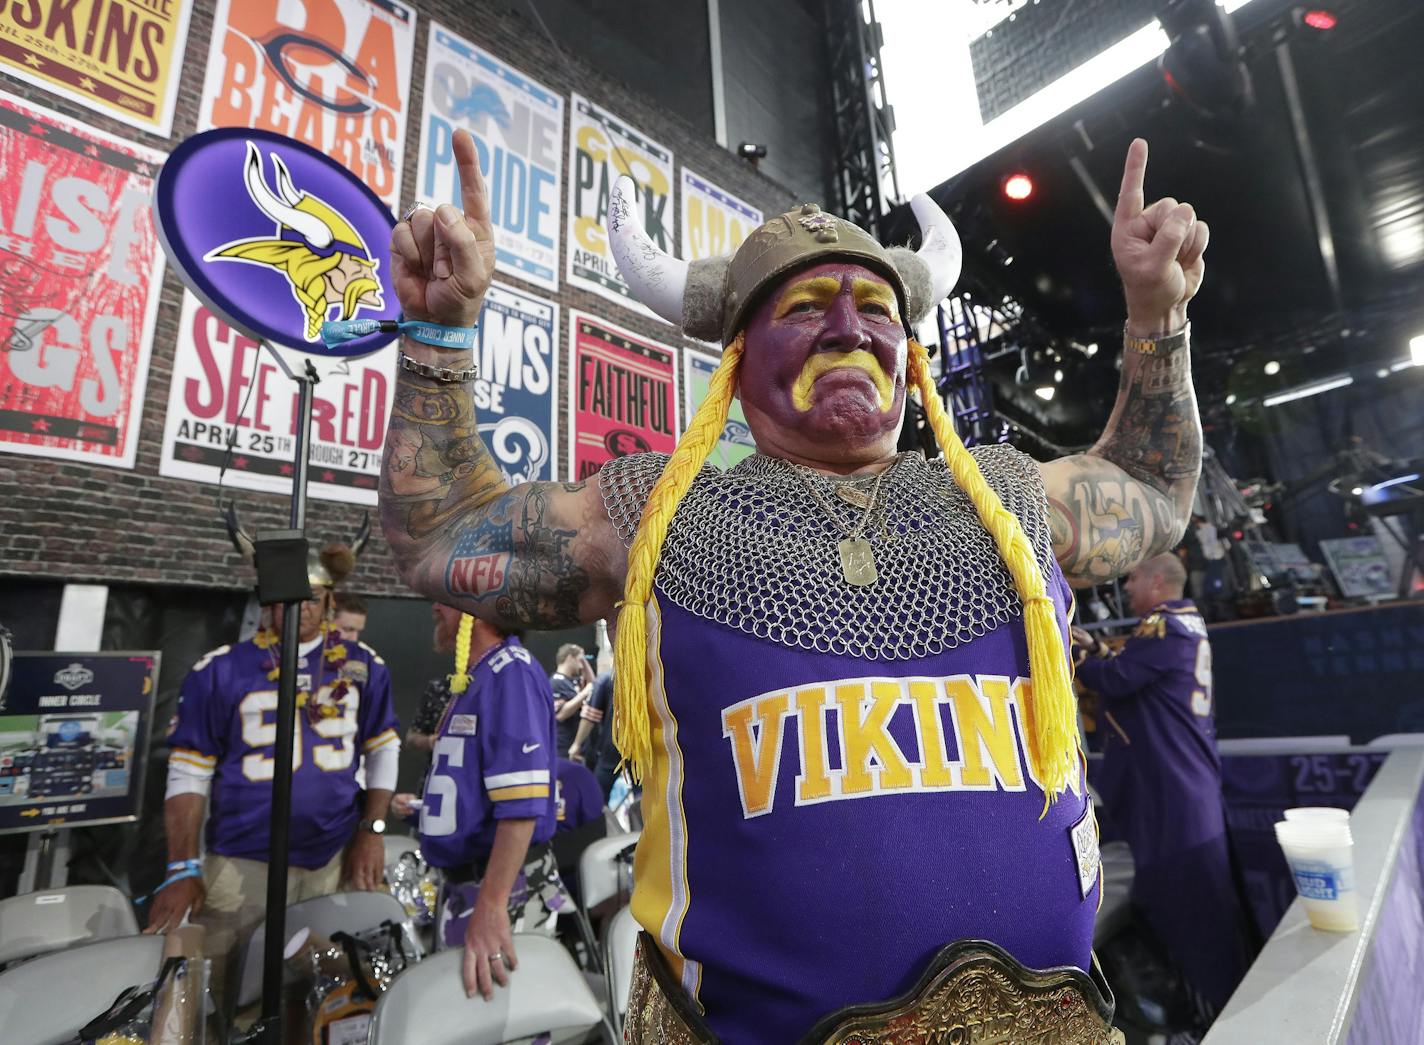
x=976, y=993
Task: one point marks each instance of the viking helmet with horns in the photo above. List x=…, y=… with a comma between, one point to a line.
x=710, y=300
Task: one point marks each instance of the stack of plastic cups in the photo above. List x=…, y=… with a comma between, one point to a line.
x=1320, y=851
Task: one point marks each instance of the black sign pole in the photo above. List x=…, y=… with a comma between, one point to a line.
x=275, y=941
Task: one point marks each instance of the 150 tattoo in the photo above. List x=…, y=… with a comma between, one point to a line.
x=1130, y=496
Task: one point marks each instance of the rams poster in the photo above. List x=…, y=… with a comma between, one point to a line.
x=80, y=274
x=118, y=57
x=518, y=127
x=622, y=395
x=601, y=147
x=515, y=394
x=334, y=74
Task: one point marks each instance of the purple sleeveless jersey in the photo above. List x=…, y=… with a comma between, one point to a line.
x=818, y=826
x=227, y=711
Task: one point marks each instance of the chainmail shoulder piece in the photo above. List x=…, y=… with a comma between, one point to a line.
x=750, y=548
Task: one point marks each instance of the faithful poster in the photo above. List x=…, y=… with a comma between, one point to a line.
x=80, y=274
x=622, y=395
x=334, y=74
x=601, y=147
x=121, y=58
x=518, y=127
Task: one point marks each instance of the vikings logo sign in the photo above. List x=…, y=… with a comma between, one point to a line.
x=324, y=259
x=275, y=237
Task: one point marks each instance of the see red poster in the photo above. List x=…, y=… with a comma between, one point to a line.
x=80, y=274
x=334, y=74
x=622, y=395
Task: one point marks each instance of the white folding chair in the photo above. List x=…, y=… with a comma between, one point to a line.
x=602, y=873
x=427, y=1002
x=36, y=923
x=619, y=948
x=340, y=912
x=1390, y=741
x=46, y=1000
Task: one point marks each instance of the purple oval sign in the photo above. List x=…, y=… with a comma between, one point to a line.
x=276, y=237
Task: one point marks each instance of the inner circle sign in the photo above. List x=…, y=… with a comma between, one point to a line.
x=276, y=237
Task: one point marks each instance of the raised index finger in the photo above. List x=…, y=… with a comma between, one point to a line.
x=474, y=198
x=1134, y=171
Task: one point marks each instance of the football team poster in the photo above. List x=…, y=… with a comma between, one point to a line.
x=515, y=395
x=622, y=395
x=118, y=57
x=714, y=222
x=216, y=371
x=601, y=147
x=80, y=274
x=736, y=442
x=518, y=127
x=334, y=74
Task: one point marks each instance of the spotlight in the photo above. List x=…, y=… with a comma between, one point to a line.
x=1045, y=392
x=1018, y=186
x=1357, y=490
x=752, y=153
x=1091, y=350
x=1416, y=350
x=1319, y=19
x=1272, y=368
x=1057, y=376
x=1382, y=372
x=1231, y=399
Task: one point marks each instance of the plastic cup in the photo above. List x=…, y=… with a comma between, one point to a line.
x=1320, y=852
x=1326, y=813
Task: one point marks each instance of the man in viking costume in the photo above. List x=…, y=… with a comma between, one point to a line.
x=842, y=672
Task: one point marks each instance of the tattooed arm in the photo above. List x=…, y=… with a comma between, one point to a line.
x=1130, y=496
x=540, y=555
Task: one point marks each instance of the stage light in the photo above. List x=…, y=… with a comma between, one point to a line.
x=1272, y=368
x=1309, y=390
x=1057, y=376
x=1018, y=187
x=1231, y=399
x=1416, y=350
x=1382, y=372
x=1320, y=20
x=1355, y=491
x=1091, y=350
x=1045, y=392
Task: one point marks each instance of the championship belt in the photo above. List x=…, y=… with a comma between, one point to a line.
x=972, y=992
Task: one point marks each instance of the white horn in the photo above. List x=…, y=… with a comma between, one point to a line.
x=308, y=226
x=940, y=248
x=656, y=278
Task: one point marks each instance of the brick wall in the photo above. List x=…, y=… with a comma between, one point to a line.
x=75, y=522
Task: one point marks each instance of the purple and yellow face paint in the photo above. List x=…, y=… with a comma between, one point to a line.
x=826, y=355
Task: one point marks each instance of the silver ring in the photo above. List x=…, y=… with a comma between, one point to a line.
x=496, y=957
x=414, y=207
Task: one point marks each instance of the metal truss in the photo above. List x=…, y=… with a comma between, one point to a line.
x=971, y=333
x=863, y=157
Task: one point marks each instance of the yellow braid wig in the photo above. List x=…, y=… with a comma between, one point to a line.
x=632, y=727
x=1052, y=725
x=460, y=681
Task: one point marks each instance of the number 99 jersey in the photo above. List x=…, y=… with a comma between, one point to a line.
x=494, y=760
x=227, y=723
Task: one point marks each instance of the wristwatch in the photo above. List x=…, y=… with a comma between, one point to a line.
x=376, y=827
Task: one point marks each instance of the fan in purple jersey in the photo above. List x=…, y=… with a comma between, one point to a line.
x=489, y=811
x=1161, y=779
x=221, y=762
x=841, y=671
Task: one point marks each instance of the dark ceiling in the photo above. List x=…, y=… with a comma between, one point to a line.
x=1321, y=281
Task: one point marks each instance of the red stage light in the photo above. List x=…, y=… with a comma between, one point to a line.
x=1320, y=19
x=1018, y=186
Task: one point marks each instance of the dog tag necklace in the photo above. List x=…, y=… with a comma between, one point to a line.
x=857, y=557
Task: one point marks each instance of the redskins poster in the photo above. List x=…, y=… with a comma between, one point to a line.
x=225, y=385
x=601, y=147
x=334, y=74
x=80, y=273
x=122, y=58
x=714, y=222
x=518, y=127
x=622, y=395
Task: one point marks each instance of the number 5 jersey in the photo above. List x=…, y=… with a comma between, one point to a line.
x=227, y=724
